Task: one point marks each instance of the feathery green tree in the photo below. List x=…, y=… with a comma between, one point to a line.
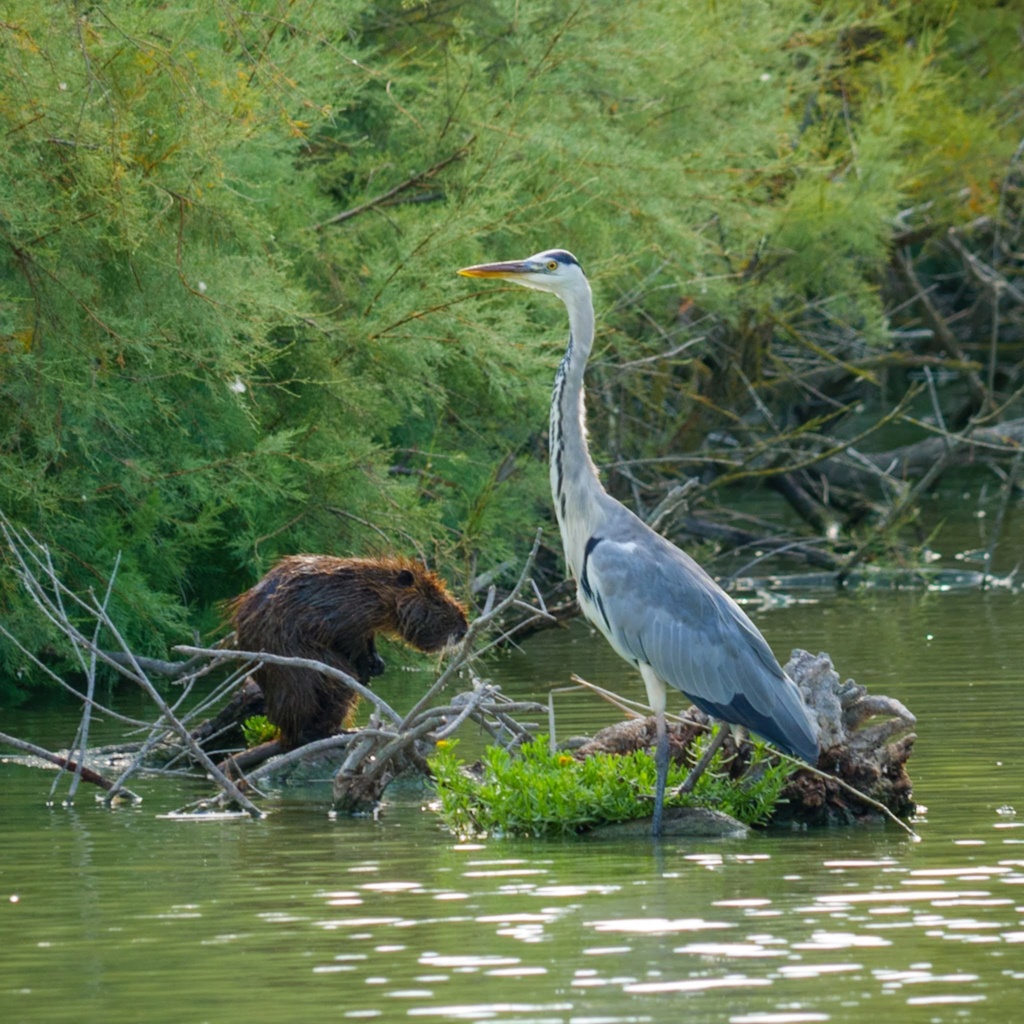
x=229, y=322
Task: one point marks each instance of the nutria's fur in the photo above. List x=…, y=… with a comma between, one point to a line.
x=330, y=609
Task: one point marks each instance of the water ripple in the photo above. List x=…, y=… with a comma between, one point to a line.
x=816, y=970
x=728, y=950
x=484, y=1011
x=658, y=925
x=795, y=1017
x=468, y=960
x=841, y=940
x=697, y=984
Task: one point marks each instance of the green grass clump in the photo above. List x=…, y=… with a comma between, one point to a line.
x=539, y=793
x=258, y=729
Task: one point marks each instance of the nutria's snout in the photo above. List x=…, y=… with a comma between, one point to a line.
x=455, y=638
x=431, y=640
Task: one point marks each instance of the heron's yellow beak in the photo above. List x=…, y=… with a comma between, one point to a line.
x=507, y=271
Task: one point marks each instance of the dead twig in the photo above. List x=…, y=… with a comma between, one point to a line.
x=362, y=777
x=389, y=197
x=258, y=657
x=372, y=755
x=492, y=613
x=56, y=601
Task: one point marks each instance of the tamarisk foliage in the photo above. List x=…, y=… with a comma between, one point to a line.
x=229, y=323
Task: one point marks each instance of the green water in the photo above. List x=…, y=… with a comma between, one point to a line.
x=122, y=916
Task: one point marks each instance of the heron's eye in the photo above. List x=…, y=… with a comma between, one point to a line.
x=552, y=264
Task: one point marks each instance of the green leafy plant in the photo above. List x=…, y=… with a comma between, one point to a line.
x=258, y=729
x=537, y=792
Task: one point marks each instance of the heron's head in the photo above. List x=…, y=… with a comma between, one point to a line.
x=553, y=270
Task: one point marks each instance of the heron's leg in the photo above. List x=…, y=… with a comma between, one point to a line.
x=656, y=698
x=705, y=759
x=661, y=763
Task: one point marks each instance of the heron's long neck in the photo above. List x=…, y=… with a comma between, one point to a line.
x=577, y=492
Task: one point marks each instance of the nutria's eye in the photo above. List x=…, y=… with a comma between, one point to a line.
x=405, y=578
x=552, y=264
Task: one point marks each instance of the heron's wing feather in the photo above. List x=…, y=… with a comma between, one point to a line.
x=662, y=608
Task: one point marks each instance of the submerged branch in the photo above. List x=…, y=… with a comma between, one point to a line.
x=66, y=764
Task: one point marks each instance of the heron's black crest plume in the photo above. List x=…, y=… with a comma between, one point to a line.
x=562, y=256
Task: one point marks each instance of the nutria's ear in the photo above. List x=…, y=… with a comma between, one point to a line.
x=406, y=578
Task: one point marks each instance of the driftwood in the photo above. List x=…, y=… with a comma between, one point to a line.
x=388, y=745
x=865, y=743
x=65, y=609
x=186, y=742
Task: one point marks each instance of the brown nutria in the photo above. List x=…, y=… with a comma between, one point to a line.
x=330, y=609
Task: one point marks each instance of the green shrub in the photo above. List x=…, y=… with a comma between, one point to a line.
x=537, y=792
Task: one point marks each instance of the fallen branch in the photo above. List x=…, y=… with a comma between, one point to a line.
x=372, y=755
x=361, y=781
x=261, y=657
x=734, y=537
x=173, y=670
x=65, y=764
x=916, y=459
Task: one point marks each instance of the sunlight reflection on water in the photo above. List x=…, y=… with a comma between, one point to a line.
x=934, y=900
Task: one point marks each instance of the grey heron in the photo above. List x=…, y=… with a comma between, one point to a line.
x=655, y=605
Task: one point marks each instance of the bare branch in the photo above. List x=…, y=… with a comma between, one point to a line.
x=258, y=657
x=387, y=198
x=64, y=763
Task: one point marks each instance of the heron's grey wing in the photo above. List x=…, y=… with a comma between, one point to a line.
x=662, y=608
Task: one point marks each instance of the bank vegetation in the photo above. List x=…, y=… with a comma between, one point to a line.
x=230, y=327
